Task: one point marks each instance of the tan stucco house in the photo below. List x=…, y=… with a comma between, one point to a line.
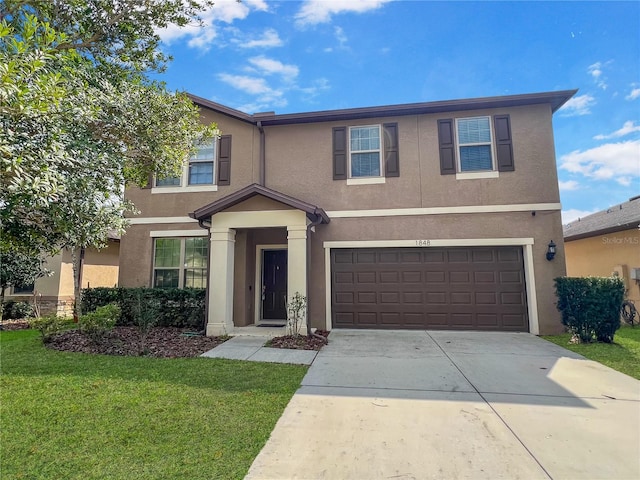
x=430, y=215
x=607, y=243
x=99, y=268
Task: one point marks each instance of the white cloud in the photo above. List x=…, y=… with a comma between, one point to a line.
x=568, y=185
x=226, y=11
x=627, y=128
x=572, y=214
x=340, y=36
x=270, y=38
x=266, y=96
x=595, y=71
x=634, y=94
x=579, y=105
x=611, y=161
x=269, y=66
x=313, y=12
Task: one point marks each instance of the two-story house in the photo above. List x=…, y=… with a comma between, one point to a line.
x=435, y=215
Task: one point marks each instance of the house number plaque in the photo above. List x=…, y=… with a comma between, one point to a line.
x=423, y=243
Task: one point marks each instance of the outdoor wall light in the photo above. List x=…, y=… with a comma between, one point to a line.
x=551, y=250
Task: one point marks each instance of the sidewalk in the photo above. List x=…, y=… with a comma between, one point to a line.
x=245, y=347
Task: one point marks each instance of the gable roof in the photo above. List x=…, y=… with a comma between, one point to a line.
x=621, y=217
x=313, y=212
x=554, y=99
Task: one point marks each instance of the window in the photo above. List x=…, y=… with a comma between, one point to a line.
x=23, y=289
x=476, y=147
x=364, y=151
x=212, y=156
x=474, y=143
x=180, y=262
x=201, y=164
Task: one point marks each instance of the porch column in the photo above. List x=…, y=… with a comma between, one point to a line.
x=220, y=286
x=297, y=264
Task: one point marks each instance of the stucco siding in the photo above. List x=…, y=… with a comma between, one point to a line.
x=603, y=255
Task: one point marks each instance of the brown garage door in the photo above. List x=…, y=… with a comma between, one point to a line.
x=479, y=288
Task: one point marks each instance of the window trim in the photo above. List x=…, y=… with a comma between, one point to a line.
x=470, y=174
x=181, y=268
x=380, y=151
x=185, y=186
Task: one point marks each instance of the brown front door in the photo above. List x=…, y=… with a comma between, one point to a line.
x=274, y=284
x=477, y=288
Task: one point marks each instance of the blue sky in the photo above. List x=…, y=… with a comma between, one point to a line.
x=297, y=56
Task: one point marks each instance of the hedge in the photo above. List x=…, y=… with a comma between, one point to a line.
x=182, y=308
x=590, y=306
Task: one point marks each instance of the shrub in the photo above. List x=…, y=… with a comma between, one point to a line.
x=13, y=310
x=48, y=326
x=173, y=307
x=590, y=306
x=296, y=313
x=98, y=323
x=145, y=317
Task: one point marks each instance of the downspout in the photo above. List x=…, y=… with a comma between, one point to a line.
x=310, y=227
x=206, y=224
x=261, y=178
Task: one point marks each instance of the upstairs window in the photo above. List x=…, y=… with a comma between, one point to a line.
x=212, y=157
x=201, y=164
x=474, y=143
x=475, y=147
x=364, y=151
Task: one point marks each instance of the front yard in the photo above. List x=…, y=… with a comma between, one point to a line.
x=79, y=416
x=622, y=355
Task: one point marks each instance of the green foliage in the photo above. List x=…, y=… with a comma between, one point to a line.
x=76, y=416
x=79, y=119
x=145, y=315
x=171, y=307
x=622, y=355
x=101, y=321
x=48, y=326
x=590, y=306
x=13, y=310
x=296, y=313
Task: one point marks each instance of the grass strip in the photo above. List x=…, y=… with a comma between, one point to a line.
x=78, y=416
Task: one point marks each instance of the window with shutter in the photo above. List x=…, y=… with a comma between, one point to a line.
x=366, y=154
x=208, y=168
x=475, y=147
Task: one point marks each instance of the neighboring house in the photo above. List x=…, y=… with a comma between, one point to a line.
x=420, y=216
x=55, y=293
x=607, y=243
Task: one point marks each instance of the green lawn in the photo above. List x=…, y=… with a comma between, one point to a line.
x=622, y=355
x=77, y=416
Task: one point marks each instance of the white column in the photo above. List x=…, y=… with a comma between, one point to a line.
x=297, y=264
x=221, y=257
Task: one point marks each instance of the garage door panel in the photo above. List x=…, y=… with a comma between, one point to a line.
x=445, y=288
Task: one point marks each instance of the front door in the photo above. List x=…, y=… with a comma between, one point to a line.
x=274, y=284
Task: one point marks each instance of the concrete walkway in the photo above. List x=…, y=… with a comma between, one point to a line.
x=251, y=347
x=449, y=405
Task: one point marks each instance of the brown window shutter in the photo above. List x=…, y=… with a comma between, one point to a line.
x=446, y=141
x=391, y=157
x=340, y=153
x=224, y=160
x=504, y=147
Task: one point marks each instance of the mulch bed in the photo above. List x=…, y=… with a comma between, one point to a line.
x=15, y=324
x=165, y=342
x=301, y=342
x=162, y=342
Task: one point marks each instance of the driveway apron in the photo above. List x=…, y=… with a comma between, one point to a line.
x=416, y=404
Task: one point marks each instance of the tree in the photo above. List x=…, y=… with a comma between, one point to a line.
x=80, y=120
x=19, y=269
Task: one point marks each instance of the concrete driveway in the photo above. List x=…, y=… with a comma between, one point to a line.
x=448, y=405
